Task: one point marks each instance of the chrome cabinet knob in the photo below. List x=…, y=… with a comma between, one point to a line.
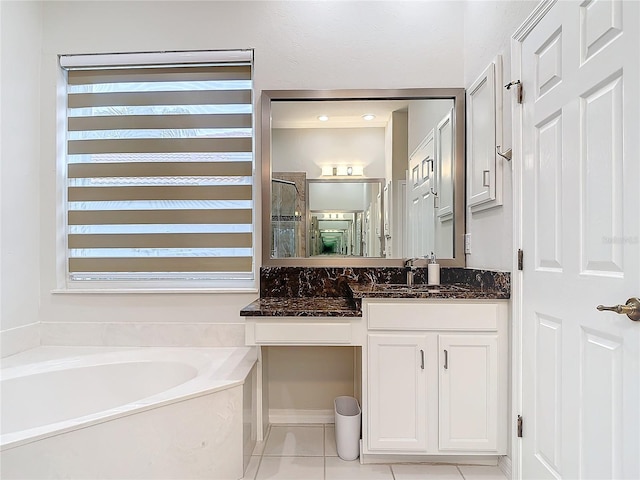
x=631, y=309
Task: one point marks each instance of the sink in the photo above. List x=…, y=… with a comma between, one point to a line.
x=418, y=287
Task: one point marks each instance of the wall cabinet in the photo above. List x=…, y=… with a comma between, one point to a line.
x=484, y=133
x=436, y=382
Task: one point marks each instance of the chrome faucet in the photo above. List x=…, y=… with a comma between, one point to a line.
x=410, y=268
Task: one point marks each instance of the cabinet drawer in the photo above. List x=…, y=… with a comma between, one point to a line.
x=469, y=316
x=282, y=333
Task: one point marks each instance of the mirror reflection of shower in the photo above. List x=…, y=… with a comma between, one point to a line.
x=287, y=215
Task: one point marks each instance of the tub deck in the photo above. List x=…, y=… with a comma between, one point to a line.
x=201, y=424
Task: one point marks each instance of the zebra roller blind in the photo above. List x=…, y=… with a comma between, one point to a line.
x=160, y=172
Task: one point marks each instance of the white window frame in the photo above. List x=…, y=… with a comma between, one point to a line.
x=205, y=285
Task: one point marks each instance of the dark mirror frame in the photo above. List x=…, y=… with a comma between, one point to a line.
x=456, y=94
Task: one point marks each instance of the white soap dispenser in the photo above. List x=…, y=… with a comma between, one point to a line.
x=433, y=271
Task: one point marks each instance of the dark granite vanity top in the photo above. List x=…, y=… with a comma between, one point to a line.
x=338, y=292
x=302, y=307
x=451, y=291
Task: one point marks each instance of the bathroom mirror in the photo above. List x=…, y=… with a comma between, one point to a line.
x=400, y=153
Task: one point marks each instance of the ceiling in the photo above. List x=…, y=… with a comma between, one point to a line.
x=341, y=113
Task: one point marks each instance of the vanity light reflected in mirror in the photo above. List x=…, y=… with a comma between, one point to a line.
x=362, y=178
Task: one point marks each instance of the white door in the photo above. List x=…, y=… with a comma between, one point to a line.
x=468, y=396
x=580, y=236
x=421, y=209
x=397, y=392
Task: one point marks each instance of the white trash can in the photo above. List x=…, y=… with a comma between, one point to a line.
x=348, y=415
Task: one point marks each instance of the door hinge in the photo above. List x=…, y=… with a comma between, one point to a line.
x=518, y=85
x=520, y=259
x=519, y=426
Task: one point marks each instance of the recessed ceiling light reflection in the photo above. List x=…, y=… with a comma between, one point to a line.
x=323, y=118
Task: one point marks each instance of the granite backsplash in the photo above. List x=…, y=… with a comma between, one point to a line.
x=334, y=282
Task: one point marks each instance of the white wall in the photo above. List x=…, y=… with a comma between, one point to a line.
x=338, y=196
x=20, y=43
x=491, y=230
x=309, y=149
x=424, y=116
x=295, y=373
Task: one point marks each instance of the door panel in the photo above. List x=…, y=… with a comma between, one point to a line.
x=601, y=178
x=601, y=405
x=548, y=191
x=601, y=23
x=548, y=387
x=548, y=63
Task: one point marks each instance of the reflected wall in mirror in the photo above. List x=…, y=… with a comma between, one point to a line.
x=399, y=153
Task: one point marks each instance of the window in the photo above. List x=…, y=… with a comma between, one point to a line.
x=159, y=170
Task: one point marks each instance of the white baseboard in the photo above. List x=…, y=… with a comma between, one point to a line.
x=504, y=464
x=285, y=415
x=486, y=460
x=19, y=339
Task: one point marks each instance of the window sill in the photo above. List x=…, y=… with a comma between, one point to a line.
x=66, y=291
x=151, y=287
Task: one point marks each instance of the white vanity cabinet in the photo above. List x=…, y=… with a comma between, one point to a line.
x=436, y=379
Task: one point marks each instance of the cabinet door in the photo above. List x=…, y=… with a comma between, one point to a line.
x=397, y=393
x=468, y=400
x=484, y=132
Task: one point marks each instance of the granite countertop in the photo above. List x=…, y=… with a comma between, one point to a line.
x=302, y=307
x=423, y=291
x=334, y=292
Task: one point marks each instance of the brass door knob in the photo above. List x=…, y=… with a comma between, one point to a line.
x=631, y=309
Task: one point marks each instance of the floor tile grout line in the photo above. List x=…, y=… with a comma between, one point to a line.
x=324, y=451
x=292, y=456
x=255, y=476
x=460, y=471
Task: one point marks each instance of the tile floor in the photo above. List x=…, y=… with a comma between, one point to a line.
x=308, y=452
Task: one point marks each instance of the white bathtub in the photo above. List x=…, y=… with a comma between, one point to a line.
x=174, y=413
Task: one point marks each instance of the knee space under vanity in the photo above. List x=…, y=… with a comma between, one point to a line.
x=300, y=383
